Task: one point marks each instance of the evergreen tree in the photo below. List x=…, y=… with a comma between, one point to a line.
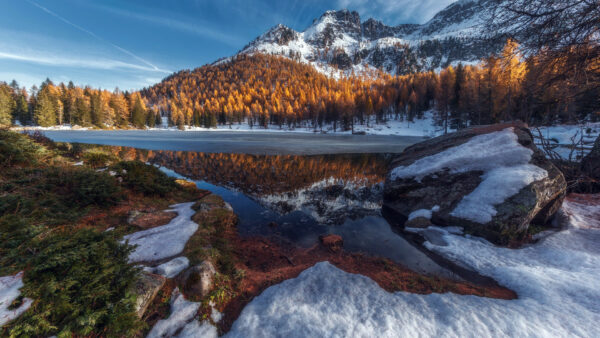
x=45, y=113
x=7, y=104
x=138, y=113
x=22, y=108
x=96, y=111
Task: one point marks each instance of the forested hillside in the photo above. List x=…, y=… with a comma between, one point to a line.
x=268, y=91
x=51, y=105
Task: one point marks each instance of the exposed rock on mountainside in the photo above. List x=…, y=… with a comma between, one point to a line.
x=339, y=40
x=492, y=180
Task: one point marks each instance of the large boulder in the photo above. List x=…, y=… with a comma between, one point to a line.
x=492, y=180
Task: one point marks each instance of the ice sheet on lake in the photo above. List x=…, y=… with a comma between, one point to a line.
x=164, y=241
x=556, y=280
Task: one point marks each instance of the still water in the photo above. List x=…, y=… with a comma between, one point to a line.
x=296, y=198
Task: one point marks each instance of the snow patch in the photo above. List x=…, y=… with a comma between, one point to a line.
x=581, y=214
x=171, y=268
x=196, y=329
x=164, y=241
x=556, y=280
x=9, y=292
x=182, y=312
x=499, y=155
x=425, y=213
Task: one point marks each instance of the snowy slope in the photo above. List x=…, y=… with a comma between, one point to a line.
x=556, y=280
x=339, y=42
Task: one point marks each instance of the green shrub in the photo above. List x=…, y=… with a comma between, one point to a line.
x=82, y=285
x=144, y=178
x=97, y=159
x=14, y=232
x=83, y=186
x=19, y=149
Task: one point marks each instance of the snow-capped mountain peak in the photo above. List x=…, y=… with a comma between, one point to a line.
x=339, y=40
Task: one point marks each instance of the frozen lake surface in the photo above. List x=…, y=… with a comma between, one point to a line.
x=264, y=143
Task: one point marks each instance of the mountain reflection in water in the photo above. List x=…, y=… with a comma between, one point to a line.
x=298, y=198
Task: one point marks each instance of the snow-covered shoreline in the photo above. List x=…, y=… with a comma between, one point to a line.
x=425, y=127
x=556, y=280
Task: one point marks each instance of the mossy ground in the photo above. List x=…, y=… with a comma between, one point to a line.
x=52, y=220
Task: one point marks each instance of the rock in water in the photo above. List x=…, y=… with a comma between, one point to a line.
x=197, y=281
x=492, y=180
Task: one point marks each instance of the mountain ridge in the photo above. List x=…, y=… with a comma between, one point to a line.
x=339, y=41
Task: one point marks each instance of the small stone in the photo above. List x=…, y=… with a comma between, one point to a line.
x=146, y=289
x=334, y=243
x=132, y=215
x=198, y=280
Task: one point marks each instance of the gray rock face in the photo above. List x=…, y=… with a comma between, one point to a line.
x=537, y=202
x=198, y=280
x=146, y=289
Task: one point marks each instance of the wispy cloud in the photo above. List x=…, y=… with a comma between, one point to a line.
x=200, y=30
x=136, y=57
x=61, y=61
x=397, y=11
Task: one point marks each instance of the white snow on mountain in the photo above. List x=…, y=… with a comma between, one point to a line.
x=339, y=43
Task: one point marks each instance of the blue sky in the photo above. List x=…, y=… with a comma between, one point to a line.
x=135, y=43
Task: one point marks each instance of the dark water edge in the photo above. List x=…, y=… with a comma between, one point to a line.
x=370, y=234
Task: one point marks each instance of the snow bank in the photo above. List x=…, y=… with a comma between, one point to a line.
x=19, y=127
x=182, y=320
x=556, y=280
x=582, y=213
x=563, y=136
x=9, y=292
x=503, y=160
x=164, y=241
x=425, y=213
x=196, y=329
